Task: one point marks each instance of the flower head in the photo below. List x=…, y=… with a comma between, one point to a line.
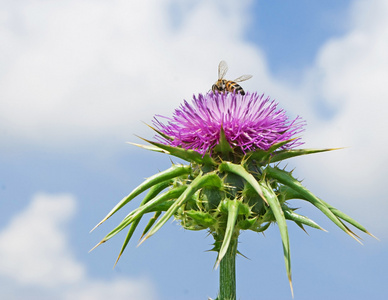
x=239, y=188
x=249, y=122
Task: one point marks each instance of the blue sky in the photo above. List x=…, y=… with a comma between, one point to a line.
x=78, y=78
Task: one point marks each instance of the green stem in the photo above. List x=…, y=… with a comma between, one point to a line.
x=228, y=273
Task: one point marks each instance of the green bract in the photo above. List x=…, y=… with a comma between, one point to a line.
x=225, y=193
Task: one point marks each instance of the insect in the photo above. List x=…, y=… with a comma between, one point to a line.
x=223, y=85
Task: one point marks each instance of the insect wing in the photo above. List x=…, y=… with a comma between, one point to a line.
x=243, y=78
x=222, y=69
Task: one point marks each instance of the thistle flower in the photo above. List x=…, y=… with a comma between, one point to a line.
x=249, y=122
x=232, y=183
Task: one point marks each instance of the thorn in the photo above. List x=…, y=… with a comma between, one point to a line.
x=143, y=240
x=96, y=246
x=354, y=236
x=117, y=260
x=96, y=226
x=102, y=221
x=238, y=252
x=291, y=287
x=367, y=232
x=304, y=229
x=138, y=136
x=217, y=263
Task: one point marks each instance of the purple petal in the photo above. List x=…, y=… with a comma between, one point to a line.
x=250, y=122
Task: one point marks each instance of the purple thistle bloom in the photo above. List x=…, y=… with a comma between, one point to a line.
x=250, y=122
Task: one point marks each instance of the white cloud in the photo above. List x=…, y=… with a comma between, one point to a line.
x=36, y=258
x=122, y=288
x=33, y=248
x=84, y=70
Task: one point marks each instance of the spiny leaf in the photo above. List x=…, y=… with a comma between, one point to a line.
x=151, y=222
x=208, y=180
x=233, y=206
x=292, y=194
x=289, y=193
x=185, y=154
x=264, y=155
x=151, y=148
x=158, y=201
x=281, y=221
x=286, y=179
x=155, y=190
x=202, y=218
x=280, y=144
x=141, y=210
x=262, y=228
x=174, y=171
x=291, y=215
x=160, y=133
x=285, y=154
x=240, y=170
x=127, y=239
x=223, y=145
x=348, y=219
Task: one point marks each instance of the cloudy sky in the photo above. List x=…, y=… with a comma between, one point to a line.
x=79, y=77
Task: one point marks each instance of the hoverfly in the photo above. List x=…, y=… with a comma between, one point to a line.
x=223, y=85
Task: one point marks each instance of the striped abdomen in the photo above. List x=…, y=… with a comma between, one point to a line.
x=224, y=85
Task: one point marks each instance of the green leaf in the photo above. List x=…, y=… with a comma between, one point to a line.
x=208, y=180
x=151, y=222
x=289, y=193
x=140, y=211
x=127, y=239
x=291, y=215
x=348, y=219
x=233, y=206
x=187, y=155
x=160, y=133
x=240, y=170
x=286, y=179
x=202, y=218
x=173, y=193
x=174, y=171
x=247, y=223
x=274, y=204
x=148, y=147
x=292, y=194
x=223, y=145
x=263, y=156
x=155, y=190
x=163, y=206
x=285, y=154
x=262, y=228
